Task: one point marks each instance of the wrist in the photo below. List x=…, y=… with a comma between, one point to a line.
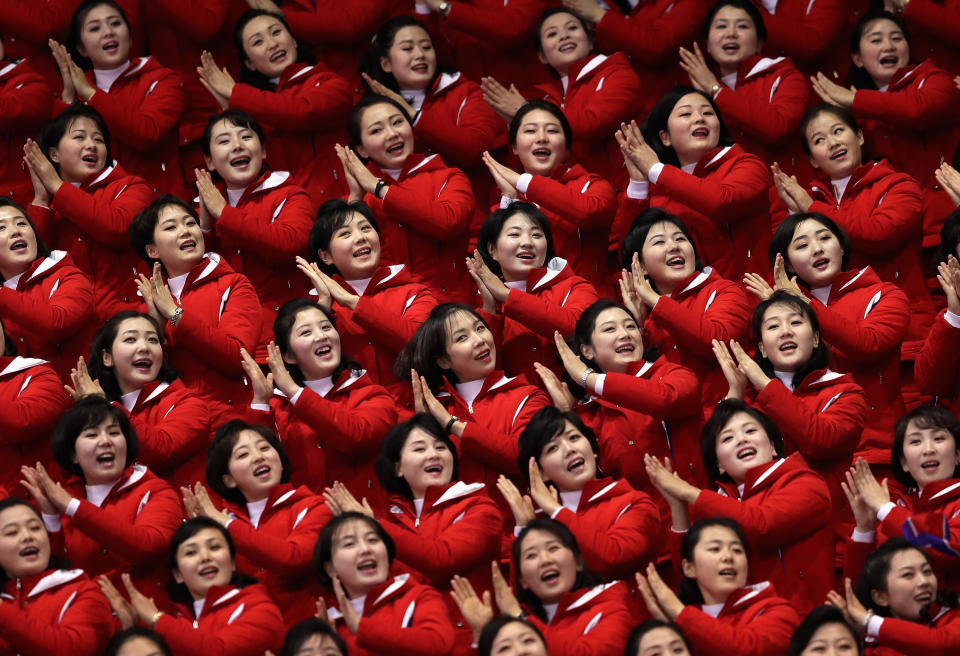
x=155, y=618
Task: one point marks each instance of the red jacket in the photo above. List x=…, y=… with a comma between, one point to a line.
x=725, y=204
x=594, y=622
x=754, y=621
x=617, y=527
x=932, y=26
x=553, y=301
x=49, y=313
x=424, y=218
x=937, y=369
x=704, y=307
x=602, y=92
x=91, y=223
x=305, y=117
x=813, y=34
x=33, y=399
x=55, y=612
x=785, y=513
x=402, y=618
x=233, y=622
x=25, y=101
x=939, y=637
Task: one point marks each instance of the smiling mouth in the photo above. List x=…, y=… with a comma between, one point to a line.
x=569, y=46
x=542, y=153
x=730, y=48
x=19, y=245
x=625, y=348
x=106, y=458
x=29, y=552
x=90, y=159
x=728, y=572
x=746, y=452
x=209, y=572
x=676, y=262
x=240, y=162
x=395, y=149
x=367, y=566
x=280, y=55
x=576, y=466
x=701, y=133
x=889, y=60
x=262, y=471
x=323, y=351
x=111, y=46
x=363, y=252
x=143, y=365
x=483, y=355
x=924, y=597
x=526, y=255
x=930, y=465
x=550, y=576
x=788, y=347
x=188, y=245
x=840, y=154
x=433, y=469
x=421, y=67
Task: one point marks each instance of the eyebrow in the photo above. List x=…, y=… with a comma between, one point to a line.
x=268, y=28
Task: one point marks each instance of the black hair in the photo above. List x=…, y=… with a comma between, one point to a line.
x=950, y=235
x=55, y=562
x=584, y=579
x=923, y=416
x=42, y=249
x=303, y=630
x=637, y=236
x=283, y=326
x=843, y=113
x=642, y=629
x=543, y=105
x=783, y=237
x=493, y=225
x=393, y=443
x=744, y=5
x=587, y=27
x=145, y=223
x=380, y=47
x=220, y=449
x=688, y=590
x=332, y=216
x=236, y=118
x=74, y=32
x=492, y=629
x=817, y=618
x=178, y=592
x=874, y=574
x=819, y=357
x=256, y=78
x=53, y=132
x=546, y=424
x=858, y=76
x=323, y=552
x=657, y=119
x=103, y=341
x=724, y=411
x=132, y=633
x=89, y=412
x=9, y=346
x=355, y=125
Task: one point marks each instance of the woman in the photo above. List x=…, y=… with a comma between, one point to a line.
x=511, y=636
x=300, y=103
x=373, y=611
x=423, y=207
x=110, y=515
x=46, y=300
x=782, y=504
x=682, y=304
x=527, y=291
x=313, y=637
x=715, y=608
x=825, y=631
x=656, y=637
x=328, y=413
x=140, y=99
x=83, y=204
x=697, y=173
x=46, y=609
x=616, y=526
x=137, y=641
x=935, y=370
x=579, y=204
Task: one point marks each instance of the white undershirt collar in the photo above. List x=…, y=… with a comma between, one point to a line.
x=130, y=399
x=176, y=285
x=255, y=511
x=322, y=386
x=359, y=286
x=97, y=493
x=105, y=77
x=469, y=391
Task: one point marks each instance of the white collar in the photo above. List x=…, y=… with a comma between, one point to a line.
x=712, y=610
x=730, y=80
x=516, y=284
x=393, y=173
x=96, y=494
x=105, y=77
x=176, y=284
x=130, y=399
x=360, y=286
x=840, y=186
x=11, y=283
x=822, y=294
x=197, y=607
x=255, y=510
x=551, y=611
x=469, y=391
x=571, y=500
x=322, y=386
x=234, y=196
x=786, y=377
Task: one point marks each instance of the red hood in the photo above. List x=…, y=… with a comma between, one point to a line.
x=715, y=157
x=385, y=277
x=763, y=476
x=863, y=176
x=415, y=163
x=104, y=177
x=43, y=267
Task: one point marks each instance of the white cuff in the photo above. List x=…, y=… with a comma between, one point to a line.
x=885, y=510
x=654, y=173
x=556, y=512
x=598, y=384
x=226, y=524
x=517, y=530
x=638, y=190
x=422, y=8
x=523, y=182
x=873, y=626
x=506, y=201
x=867, y=537
x=952, y=319
x=52, y=523
x=295, y=397
x=265, y=407
x=72, y=507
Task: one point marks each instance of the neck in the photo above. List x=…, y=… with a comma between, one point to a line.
x=729, y=70
x=108, y=67
x=692, y=157
x=180, y=269
x=710, y=598
x=253, y=496
x=665, y=288
x=15, y=271
x=125, y=387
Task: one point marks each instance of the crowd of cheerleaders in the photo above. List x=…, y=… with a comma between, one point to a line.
x=376, y=396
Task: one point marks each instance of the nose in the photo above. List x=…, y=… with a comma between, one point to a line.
x=926, y=445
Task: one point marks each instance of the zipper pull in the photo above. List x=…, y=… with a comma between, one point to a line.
x=416, y=522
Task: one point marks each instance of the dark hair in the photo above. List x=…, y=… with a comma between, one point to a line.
x=724, y=411
x=178, y=592
x=546, y=424
x=923, y=416
x=637, y=236
x=493, y=226
x=393, y=443
x=380, y=47
x=256, y=78
x=53, y=132
x=782, y=238
x=283, y=326
x=89, y=412
x=236, y=118
x=689, y=590
x=323, y=552
x=42, y=249
x=543, y=105
x=817, y=618
x=355, y=125
x=332, y=216
x=659, y=116
x=430, y=343
x=744, y=5
x=55, y=562
x=74, y=32
x=492, y=629
x=642, y=629
x=819, y=357
x=103, y=341
x=950, y=235
x=874, y=574
x=220, y=449
x=145, y=223
x=9, y=346
x=132, y=633
x=303, y=630
x=842, y=113
x=584, y=579
x=858, y=76
x=587, y=27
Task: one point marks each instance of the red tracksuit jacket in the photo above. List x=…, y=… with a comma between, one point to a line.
x=932, y=26
x=402, y=618
x=813, y=34
x=25, y=101
x=49, y=314
x=33, y=398
x=937, y=369
x=594, y=622
x=305, y=118
x=939, y=637
x=91, y=223
x=424, y=218
x=754, y=621
x=233, y=622
x=55, y=612
x=785, y=512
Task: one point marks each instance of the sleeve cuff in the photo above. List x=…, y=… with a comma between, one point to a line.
x=505, y=202
x=873, y=626
x=263, y=407
x=598, y=384
x=952, y=319
x=422, y=8
x=52, y=523
x=517, y=530
x=72, y=507
x=556, y=512
x=654, y=173
x=885, y=510
x=523, y=182
x=638, y=190
x=296, y=397
x=867, y=537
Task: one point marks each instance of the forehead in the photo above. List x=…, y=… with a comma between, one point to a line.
x=663, y=228
x=691, y=101
x=83, y=124
x=227, y=127
x=171, y=212
x=558, y=20
x=100, y=12
x=809, y=227
x=907, y=558
x=537, y=538
x=519, y=220
x=380, y=112
x=18, y=514
x=718, y=534
x=831, y=632
x=352, y=529
x=739, y=420
x=731, y=13
x=135, y=324
x=539, y=116
x=881, y=26
x=7, y=213
x=260, y=24
x=659, y=636
x=513, y=631
x=203, y=536
x=460, y=320
x=309, y=315
x=614, y=314
x=411, y=33
x=419, y=435
x=778, y=310
x=247, y=438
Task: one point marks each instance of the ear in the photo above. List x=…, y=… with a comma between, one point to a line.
x=513, y=149
x=903, y=463
x=816, y=340
x=54, y=154
x=880, y=598
x=209, y=163
x=82, y=50
x=665, y=138
x=760, y=347
x=857, y=59
x=688, y=568
x=588, y=352
x=325, y=256
x=289, y=358
x=106, y=357
x=812, y=163
x=396, y=470
x=361, y=151
x=386, y=65
x=860, y=138
x=177, y=576
x=229, y=481
x=248, y=64
x=328, y=568
x=491, y=250
x=152, y=251
x=542, y=58
x=443, y=362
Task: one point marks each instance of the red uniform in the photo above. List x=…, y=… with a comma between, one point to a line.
x=939, y=637
x=812, y=33
x=932, y=28
x=233, y=622
x=48, y=311
x=594, y=622
x=937, y=369
x=785, y=513
x=25, y=102
x=55, y=612
x=754, y=621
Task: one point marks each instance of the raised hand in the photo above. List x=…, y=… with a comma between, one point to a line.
x=831, y=92
x=121, y=607
x=505, y=102
x=83, y=385
x=476, y=611
x=503, y=593
x=695, y=64
x=520, y=505
x=558, y=390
